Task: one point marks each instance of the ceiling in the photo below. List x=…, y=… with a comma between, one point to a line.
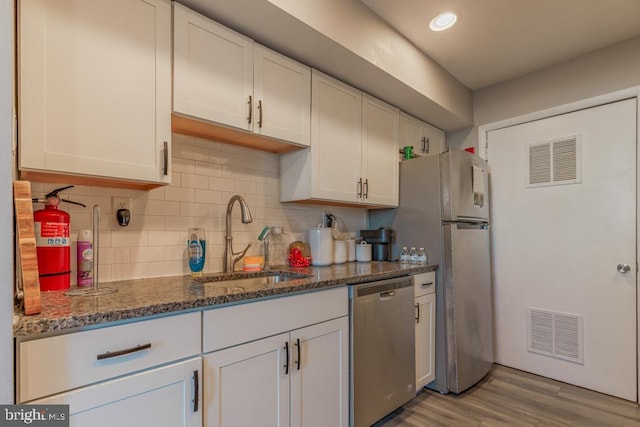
x=498, y=40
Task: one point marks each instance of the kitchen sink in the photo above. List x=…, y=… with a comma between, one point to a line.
x=252, y=280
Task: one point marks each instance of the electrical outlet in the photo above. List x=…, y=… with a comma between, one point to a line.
x=121, y=210
x=120, y=203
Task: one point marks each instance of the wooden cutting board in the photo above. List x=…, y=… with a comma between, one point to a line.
x=27, y=246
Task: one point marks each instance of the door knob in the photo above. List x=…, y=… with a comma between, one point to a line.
x=623, y=268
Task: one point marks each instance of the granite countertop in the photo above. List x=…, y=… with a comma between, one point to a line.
x=146, y=297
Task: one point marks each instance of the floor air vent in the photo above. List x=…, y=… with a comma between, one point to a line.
x=555, y=334
x=554, y=162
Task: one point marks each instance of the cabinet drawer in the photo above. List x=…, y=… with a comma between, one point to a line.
x=424, y=283
x=55, y=364
x=228, y=326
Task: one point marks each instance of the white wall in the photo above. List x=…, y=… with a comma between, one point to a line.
x=6, y=201
x=205, y=175
x=594, y=74
x=597, y=73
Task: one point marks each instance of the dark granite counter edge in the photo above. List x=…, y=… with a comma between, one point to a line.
x=26, y=326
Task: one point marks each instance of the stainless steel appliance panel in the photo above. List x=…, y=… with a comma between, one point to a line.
x=468, y=302
x=382, y=348
x=465, y=186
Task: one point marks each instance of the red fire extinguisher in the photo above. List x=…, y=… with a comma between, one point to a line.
x=53, y=244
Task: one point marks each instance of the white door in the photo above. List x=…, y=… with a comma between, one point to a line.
x=562, y=308
x=320, y=375
x=170, y=396
x=212, y=70
x=425, y=339
x=95, y=87
x=282, y=89
x=379, y=152
x=424, y=138
x=247, y=385
x=336, y=126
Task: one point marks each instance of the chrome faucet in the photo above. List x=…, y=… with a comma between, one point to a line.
x=230, y=257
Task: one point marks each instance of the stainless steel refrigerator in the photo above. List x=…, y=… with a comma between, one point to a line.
x=444, y=207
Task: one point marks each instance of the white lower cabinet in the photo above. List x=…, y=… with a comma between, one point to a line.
x=278, y=362
x=297, y=378
x=425, y=303
x=275, y=362
x=145, y=373
x=169, y=396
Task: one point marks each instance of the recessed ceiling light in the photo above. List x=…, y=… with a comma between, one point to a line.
x=443, y=21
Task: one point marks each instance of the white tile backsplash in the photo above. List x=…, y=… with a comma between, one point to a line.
x=205, y=175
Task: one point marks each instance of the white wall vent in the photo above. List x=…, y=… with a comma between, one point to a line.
x=555, y=334
x=554, y=162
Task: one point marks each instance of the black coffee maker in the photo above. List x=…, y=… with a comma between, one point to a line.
x=380, y=240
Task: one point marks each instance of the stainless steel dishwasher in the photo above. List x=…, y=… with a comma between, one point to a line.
x=382, y=339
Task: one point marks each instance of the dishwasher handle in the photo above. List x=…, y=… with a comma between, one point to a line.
x=385, y=289
x=387, y=295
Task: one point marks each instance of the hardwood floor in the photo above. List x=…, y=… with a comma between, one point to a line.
x=508, y=397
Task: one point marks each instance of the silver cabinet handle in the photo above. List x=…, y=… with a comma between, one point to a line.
x=366, y=188
x=299, y=355
x=196, y=391
x=165, y=158
x=250, y=109
x=110, y=354
x=360, y=188
x=425, y=144
x=623, y=268
x=417, y=313
x=260, y=114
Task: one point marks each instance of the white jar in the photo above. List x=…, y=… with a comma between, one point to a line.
x=339, y=252
x=351, y=249
x=321, y=243
x=363, y=252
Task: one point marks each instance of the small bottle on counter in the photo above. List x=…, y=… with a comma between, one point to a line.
x=413, y=255
x=84, y=258
x=404, y=255
x=422, y=256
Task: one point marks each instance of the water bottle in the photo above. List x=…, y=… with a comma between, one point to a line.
x=413, y=255
x=422, y=256
x=404, y=255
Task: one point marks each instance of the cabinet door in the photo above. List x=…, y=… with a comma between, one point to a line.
x=95, y=88
x=379, y=152
x=432, y=141
x=336, y=121
x=164, y=397
x=212, y=70
x=424, y=138
x=246, y=385
x=282, y=90
x=425, y=339
x=320, y=375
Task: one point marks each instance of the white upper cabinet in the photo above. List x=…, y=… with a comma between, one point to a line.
x=353, y=157
x=212, y=70
x=424, y=138
x=282, y=90
x=336, y=140
x=223, y=78
x=94, y=88
x=379, y=152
